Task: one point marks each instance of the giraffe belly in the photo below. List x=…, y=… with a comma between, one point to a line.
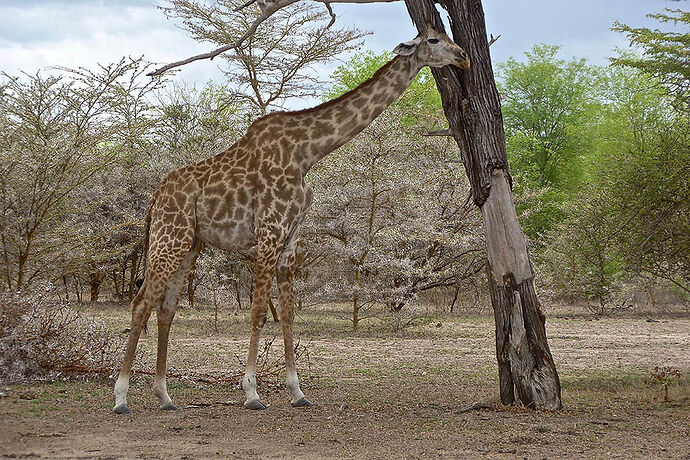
x=230, y=236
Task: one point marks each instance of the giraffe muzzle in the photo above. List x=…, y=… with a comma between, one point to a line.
x=462, y=61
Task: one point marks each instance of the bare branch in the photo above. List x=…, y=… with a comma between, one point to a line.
x=210, y=55
x=493, y=39
x=244, y=5
x=440, y=132
x=268, y=8
x=330, y=11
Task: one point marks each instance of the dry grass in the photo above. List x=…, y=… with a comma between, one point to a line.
x=404, y=392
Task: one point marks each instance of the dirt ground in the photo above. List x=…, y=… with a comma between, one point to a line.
x=376, y=395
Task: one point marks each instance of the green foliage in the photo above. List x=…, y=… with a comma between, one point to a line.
x=358, y=69
x=649, y=193
x=665, y=53
x=547, y=109
x=633, y=216
x=545, y=103
x=581, y=256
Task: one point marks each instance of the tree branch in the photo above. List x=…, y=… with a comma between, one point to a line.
x=493, y=39
x=268, y=8
x=440, y=132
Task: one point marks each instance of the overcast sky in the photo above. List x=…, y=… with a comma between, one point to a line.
x=39, y=33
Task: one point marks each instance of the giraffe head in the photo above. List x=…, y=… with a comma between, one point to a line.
x=435, y=49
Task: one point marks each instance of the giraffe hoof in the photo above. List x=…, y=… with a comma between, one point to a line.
x=170, y=406
x=122, y=409
x=254, y=404
x=302, y=402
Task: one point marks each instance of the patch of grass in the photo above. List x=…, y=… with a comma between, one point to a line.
x=612, y=380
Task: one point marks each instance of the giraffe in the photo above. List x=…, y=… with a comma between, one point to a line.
x=254, y=194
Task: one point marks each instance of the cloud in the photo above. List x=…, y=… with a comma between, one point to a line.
x=42, y=34
x=36, y=34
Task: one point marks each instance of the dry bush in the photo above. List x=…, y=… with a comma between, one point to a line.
x=42, y=338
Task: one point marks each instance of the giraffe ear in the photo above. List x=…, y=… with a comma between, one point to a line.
x=407, y=48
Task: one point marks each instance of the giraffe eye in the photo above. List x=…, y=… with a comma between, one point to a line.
x=433, y=40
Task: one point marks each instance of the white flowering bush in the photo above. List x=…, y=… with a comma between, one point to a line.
x=42, y=338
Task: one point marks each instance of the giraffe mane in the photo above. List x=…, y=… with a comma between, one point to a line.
x=374, y=78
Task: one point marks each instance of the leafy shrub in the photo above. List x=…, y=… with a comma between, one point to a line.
x=662, y=376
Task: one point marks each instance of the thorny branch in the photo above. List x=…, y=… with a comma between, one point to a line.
x=269, y=369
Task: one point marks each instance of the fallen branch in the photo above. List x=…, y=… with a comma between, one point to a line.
x=471, y=407
x=268, y=370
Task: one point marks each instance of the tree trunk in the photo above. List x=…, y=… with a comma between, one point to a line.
x=66, y=287
x=133, y=274
x=471, y=105
x=238, y=294
x=355, y=299
x=116, y=285
x=20, y=271
x=77, y=288
x=272, y=307
x=191, y=288
x=455, y=297
x=95, y=280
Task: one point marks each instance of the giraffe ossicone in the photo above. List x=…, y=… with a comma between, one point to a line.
x=254, y=194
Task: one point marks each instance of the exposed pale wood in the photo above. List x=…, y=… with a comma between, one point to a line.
x=505, y=241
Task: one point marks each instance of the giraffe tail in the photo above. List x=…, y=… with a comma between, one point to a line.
x=145, y=254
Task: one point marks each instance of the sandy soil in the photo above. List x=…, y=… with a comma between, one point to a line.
x=404, y=393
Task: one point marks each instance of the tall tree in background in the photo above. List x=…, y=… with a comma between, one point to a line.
x=391, y=207
x=545, y=103
x=58, y=132
x=277, y=61
x=665, y=53
x=653, y=181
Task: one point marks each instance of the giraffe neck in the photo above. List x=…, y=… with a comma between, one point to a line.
x=334, y=123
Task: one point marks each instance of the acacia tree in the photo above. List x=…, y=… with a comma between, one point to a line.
x=665, y=53
x=472, y=107
x=275, y=62
x=388, y=211
x=59, y=131
x=653, y=182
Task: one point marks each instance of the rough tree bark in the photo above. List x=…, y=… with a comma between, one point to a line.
x=470, y=101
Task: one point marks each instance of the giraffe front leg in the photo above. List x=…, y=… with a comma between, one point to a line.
x=258, y=314
x=249, y=381
x=285, y=275
x=266, y=259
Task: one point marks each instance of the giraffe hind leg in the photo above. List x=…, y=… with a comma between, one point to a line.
x=157, y=275
x=165, y=314
x=142, y=305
